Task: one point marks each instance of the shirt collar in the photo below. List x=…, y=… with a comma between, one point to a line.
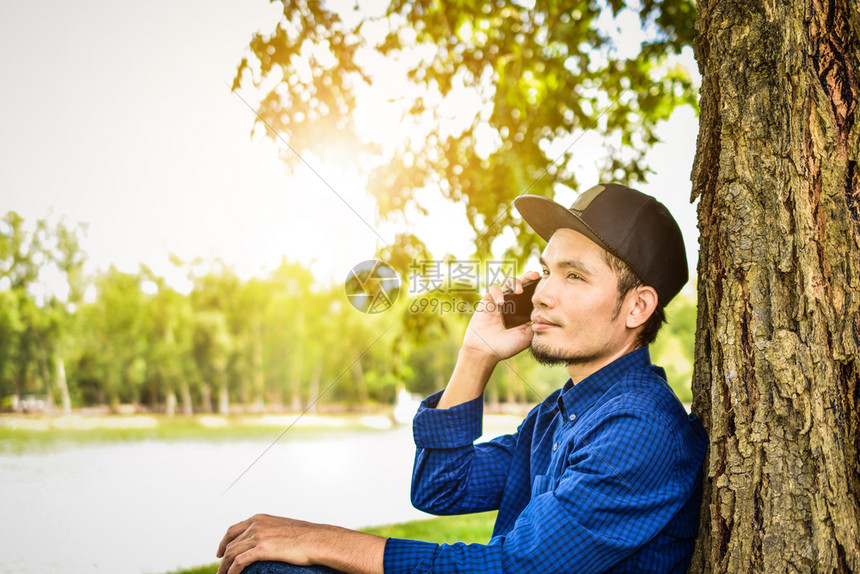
x=576, y=399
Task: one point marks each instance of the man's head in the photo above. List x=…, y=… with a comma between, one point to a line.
x=614, y=240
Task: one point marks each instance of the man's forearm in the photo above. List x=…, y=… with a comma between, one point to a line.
x=469, y=379
x=350, y=551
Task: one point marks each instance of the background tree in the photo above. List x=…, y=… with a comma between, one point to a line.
x=113, y=345
x=11, y=328
x=777, y=177
x=169, y=331
x=69, y=259
x=34, y=323
x=254, y=298
x=212, y=348
x=21, y=252
x=215, y=344
x=295, y=334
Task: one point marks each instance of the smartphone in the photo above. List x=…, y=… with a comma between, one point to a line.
x=518, y=306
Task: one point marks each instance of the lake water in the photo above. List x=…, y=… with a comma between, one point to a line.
x=150, y=507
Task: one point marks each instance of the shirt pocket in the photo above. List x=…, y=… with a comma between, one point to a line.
x=542, y=484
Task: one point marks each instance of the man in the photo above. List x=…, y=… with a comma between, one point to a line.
x=602, y=476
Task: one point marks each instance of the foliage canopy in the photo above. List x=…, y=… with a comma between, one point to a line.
x=544, y=73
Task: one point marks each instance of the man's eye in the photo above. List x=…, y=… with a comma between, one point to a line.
x=573, y=276
x=544, y=272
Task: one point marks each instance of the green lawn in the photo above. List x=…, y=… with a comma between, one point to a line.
x=468, y=528
x=449, y=529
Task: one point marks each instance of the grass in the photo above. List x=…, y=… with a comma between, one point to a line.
x=468, y=528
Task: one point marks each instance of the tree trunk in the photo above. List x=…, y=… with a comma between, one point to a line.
x=170, y=403
x=314, y=387
x=223, y=396
x=360, y=386
x=206, y=393
x=777, y=364
x=46, y=381
x=296, y=387
x=187, y=408
x=63, y=386
x=259, y=378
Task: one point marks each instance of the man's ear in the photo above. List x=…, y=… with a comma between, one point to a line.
x=644, y=304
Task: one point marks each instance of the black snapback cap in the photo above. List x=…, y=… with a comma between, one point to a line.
x=631, y=225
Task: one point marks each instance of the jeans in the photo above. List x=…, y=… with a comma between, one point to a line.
x=269, y=567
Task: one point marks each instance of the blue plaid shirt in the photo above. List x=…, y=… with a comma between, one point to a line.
x=602, y=476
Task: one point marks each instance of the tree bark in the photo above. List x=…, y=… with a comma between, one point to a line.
x=776, y=378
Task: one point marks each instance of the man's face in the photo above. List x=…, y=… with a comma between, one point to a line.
x=577, y=317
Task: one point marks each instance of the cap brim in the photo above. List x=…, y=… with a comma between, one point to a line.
x=546, y=216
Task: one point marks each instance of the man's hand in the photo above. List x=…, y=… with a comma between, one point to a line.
x=486, y=343
x=487, y=335
x=264, y=537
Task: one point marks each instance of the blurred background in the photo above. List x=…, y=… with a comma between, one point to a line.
x=184, y=190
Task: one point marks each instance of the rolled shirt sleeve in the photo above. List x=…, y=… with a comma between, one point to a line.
x=455, y=427
x=451, y=474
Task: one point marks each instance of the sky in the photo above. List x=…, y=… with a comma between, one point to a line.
x=119, y=115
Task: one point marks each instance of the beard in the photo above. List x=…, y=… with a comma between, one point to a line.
x=547, y=355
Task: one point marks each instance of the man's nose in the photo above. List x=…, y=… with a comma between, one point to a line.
x=543, y=296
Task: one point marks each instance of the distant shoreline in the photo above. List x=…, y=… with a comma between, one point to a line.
x=21, y=433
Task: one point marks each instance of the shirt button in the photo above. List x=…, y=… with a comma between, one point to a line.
x=555, y=447
x=573, y=417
